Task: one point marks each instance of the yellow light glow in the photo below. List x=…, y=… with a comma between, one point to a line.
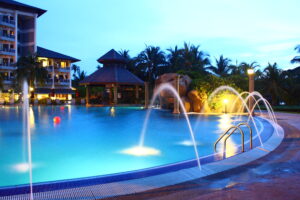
x=63, y=64
x=225, y=101
x=141, y=151
x=225, y=122
x=31, y=118
x=31, y=89
x=250, y=71
x=112, y=111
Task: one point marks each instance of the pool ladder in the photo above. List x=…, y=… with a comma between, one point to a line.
x=233, y=129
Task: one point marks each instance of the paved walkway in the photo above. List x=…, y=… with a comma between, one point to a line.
x=275, y=176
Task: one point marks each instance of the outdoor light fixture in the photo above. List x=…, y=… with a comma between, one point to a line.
x=250, y=71
x=31, y=89
x=225, y=101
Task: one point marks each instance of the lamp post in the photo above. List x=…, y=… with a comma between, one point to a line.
x=251, y=75
x=225, y=101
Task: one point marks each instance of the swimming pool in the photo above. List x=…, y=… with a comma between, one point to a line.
x=90, y=141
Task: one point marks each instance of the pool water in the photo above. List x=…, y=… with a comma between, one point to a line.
x=90, y=141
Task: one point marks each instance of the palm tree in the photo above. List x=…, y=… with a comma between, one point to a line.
x=296, y=59
x=78, y=76
x=194, y=59
x=130, y=65
x=75, y=68
x=272, y=79
x=150, y=60
x=31, y=70
x=222, y=67
x=175, y=60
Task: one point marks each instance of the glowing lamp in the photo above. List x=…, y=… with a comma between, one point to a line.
x=225, y=101
x=250, y=71
x=31, y=89
x=56, y=120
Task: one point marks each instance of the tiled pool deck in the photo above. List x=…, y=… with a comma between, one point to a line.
x=156, y=186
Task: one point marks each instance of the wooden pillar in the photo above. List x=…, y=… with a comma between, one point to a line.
x=176, y=101
x=87, y=95
x=115, y=94
x=146, y=95
x=136, y=94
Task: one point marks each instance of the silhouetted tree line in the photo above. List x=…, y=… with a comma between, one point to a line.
x=275, y=84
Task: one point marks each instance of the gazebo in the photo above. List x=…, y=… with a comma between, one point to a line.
x=114, y=75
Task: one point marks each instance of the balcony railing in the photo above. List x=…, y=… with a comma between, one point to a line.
x=8, y=35
x=9, y=66
x=59, y=81
x=7, y=51
x=58, y=68
x=6, y=21
x=8, y=80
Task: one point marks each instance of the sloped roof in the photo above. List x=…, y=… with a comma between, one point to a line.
x=10, y=4
x=114, y=74
x=42, y=52
x=112, y=57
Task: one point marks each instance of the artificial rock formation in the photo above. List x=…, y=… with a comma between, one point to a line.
x=191, y=102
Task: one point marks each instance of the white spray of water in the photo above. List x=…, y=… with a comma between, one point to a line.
x=27, y=130
x=169, y=87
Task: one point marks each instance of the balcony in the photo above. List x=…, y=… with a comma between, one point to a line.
x=58, y=68
x=8, y=81
x=7, y=22
x=62, y=82
x=7, y=66
x=7, y=51
x=7, y=37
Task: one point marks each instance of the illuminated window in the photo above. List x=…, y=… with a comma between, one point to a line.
x=45, y=63
x=63, y=64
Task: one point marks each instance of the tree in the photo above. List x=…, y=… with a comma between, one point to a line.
x=222, y=67
x=31, y=70
x=272, y=80
x=175, y=60
x=78, y=76
x=150, y=60
x=296, y=59
x=194, y=59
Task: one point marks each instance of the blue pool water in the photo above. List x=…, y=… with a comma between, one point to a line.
x=89, y=141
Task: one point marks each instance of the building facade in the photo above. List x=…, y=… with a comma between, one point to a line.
x=17, y=36
x=59, y=82
x=18, y=26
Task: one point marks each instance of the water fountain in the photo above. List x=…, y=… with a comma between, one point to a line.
x=141, y=149
x=244, y=103
x=27, y=132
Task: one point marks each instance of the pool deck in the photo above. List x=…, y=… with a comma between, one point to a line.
x=275, y=176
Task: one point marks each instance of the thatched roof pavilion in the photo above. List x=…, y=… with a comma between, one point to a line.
x=114, y=75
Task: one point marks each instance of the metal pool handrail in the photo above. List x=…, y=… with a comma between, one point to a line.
x=234, y=129
x=250, y=132
x=242, y=135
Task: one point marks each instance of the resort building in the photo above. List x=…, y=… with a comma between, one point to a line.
x=17, y=36
x=59, y=82
x=18, y=26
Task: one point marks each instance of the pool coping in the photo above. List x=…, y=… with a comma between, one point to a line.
x=89, y=188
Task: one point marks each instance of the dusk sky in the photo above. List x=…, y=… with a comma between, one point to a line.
x=243, y=30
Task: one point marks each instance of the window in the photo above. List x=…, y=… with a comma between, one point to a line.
x=45, y=63
x=63, y=64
